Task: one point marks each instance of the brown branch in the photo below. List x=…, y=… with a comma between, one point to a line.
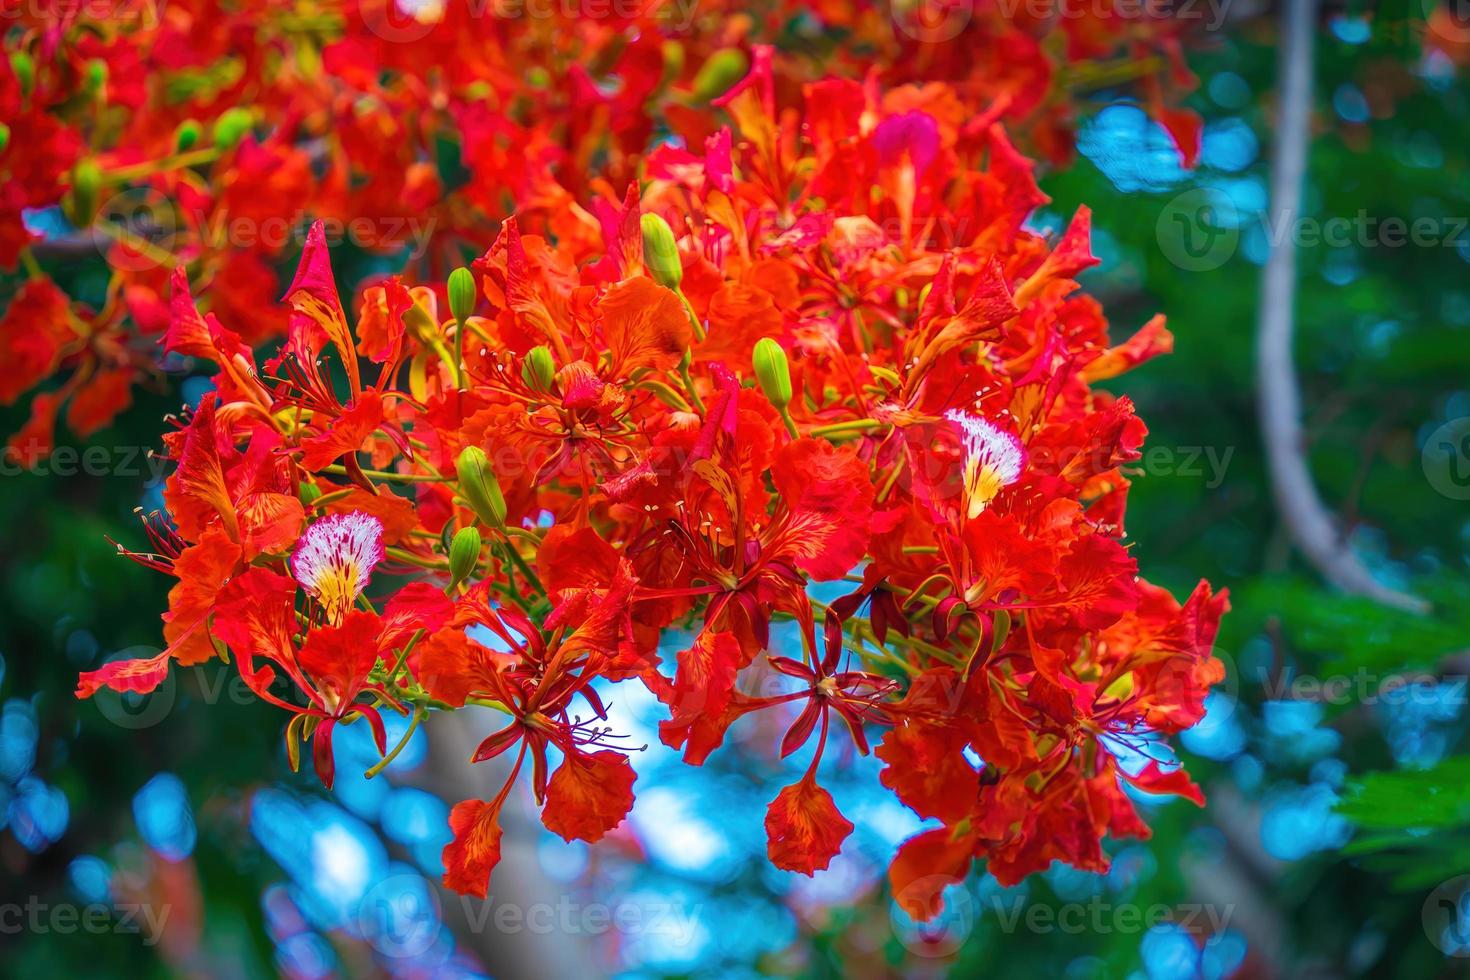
x=1307, y=519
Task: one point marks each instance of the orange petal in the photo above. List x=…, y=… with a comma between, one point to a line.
x=804, y=830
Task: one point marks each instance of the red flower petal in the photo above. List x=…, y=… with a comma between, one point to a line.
x=346, y=434
x=645, y=325
x=927, y=770
x=804, y=830
x=139, y=676
x=475, y=850
x=339, y=657
x=589, y=795
x=924, y=866
x=203, y=569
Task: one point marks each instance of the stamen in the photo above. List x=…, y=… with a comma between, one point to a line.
x=993, y=459
x=335, y=557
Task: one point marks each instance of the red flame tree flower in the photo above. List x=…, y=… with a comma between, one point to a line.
x=817, y=346
x=189, y=133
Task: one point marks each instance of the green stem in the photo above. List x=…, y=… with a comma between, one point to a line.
x=386, y=476
x=459, y=371
x=689, y=386
x=843, y=428
x=520, y=563
x=418, y=716
x=138, y=171
x=409, y=558
x=790, y=425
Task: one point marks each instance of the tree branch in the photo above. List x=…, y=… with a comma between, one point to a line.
x=1310, y=524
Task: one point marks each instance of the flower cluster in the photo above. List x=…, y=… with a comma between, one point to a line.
x=192, y=134
x=817, y=345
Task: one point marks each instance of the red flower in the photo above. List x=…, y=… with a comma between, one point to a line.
x=920, y=410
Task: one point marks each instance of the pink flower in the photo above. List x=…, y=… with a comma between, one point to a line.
x=335, y=557
x=993, y=459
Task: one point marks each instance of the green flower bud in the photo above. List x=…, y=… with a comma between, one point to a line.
x=464, y=554
x=673, y=53
x=307, y=492
x=723, y=69
x=421, y=321
x=461, y=294
x=660, y=253
x=4, y=137
x=772, y=372
x=539, y=371
x=86, y=180
x=96, y=75
x=232, y=125
x=478, y=486
x=24, y=67
x=187, y=135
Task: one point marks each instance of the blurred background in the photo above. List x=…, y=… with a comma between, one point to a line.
x=150, y=837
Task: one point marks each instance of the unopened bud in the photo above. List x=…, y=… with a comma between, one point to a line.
x=478, y=486
x=422, y=317
x=661, y=253
x=232, y=125
x=673, y=53
x=464, y=554
x=720, y=71
x=96, y=76
x=461, y=294
x=187, y=135
x=24, y=67
x=86, y=179
x=538, y=371
x=772, y=372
